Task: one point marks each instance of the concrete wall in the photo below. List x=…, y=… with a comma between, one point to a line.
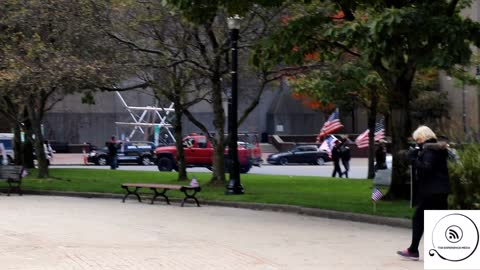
x=73, y=122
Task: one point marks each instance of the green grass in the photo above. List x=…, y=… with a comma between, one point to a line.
x=316, y=192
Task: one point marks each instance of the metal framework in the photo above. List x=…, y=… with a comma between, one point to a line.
x=149, y=112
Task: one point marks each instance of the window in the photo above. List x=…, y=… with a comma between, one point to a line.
x=189, y=142
x=144, y=146
x=202, y=142
x=7, y=144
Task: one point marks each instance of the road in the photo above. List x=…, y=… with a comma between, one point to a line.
x=358, y=169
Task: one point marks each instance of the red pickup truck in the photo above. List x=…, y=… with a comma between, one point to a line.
x=199, y=153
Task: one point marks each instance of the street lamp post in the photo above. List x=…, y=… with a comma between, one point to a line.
x=234, y=186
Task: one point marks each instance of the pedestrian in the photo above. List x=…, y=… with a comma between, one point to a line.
x=336, y=155
x=85, y=151
x=381, y=156
x=345, y=156
x=430, y=171
x=113, y=147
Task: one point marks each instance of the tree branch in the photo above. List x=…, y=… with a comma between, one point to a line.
x=197, y=123
x=120, y=89
x=255, y=101
x=133, y=45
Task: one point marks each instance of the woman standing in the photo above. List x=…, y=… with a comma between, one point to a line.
x=429, y=160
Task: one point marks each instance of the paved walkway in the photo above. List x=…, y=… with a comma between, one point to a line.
x=42, y=232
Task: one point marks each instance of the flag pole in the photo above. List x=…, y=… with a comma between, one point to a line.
x=374, y=207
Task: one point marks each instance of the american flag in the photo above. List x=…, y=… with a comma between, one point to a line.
x=362, y=140
x=328, y=144
x=376, y=194
x=331, y=125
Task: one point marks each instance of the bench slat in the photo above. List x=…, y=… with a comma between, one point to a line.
x=10, y=172
x=165, y=186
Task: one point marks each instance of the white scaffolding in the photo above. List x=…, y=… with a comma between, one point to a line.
x=157, y=116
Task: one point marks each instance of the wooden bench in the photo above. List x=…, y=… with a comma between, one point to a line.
x=189, y=191
x=13, y=176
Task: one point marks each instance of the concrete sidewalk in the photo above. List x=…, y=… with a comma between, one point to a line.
x=42, y=232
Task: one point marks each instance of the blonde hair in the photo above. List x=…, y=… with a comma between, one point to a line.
x=423, y=133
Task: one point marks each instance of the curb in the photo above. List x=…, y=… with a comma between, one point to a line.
x=387, y=221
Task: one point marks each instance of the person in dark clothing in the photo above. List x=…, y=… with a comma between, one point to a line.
x=345, y=156
x=429, y=160
x=113, y=147
x=380, y=156
x=336, y=155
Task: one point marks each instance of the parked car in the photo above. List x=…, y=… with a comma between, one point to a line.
x=300, y=154
x=59, y=147
x=131, y=152
x=6, y=139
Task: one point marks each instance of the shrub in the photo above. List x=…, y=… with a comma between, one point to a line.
x=465, y=179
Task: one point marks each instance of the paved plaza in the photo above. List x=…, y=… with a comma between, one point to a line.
x=47, y=232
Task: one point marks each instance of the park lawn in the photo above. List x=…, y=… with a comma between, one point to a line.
x=315, y=192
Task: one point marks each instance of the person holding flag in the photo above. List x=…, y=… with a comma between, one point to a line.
x=328, y=144
x=345, y=156
x=336, y=156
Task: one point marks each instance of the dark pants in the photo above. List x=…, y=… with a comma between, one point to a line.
x=380, y=166
x=113, y=162
x=346, y=165
x=432, y=202
x=336, y=168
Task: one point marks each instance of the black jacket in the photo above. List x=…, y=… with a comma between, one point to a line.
x=336, y=153
x=431, y=169
x=345, y=154
x=112, y=147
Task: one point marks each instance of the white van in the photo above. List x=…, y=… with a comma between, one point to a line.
x=7, y=140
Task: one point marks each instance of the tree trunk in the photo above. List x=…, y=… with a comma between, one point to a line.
x=27, y=146
x=401, y=130
x=372, y=117
x=17, y=145
x=182, y=170
x=401, y=127
x=35, y=121
x=39, y=150
x=218, y=177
